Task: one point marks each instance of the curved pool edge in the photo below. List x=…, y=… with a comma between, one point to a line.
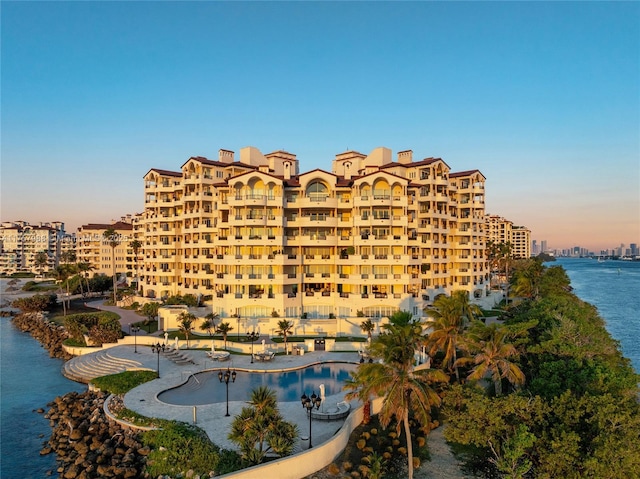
x=244, y=370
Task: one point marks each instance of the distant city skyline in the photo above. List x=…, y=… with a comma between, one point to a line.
x=542, y=97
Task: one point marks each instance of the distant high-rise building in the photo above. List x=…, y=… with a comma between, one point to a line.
x=501, y=230
x=634, y=249
x=534, y=248
x=543, y=246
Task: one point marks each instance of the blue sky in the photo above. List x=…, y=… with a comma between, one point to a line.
x=543, y=98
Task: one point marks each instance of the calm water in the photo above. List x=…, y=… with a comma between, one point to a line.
x=614, y=288
x=289, y=386
x=29, y=379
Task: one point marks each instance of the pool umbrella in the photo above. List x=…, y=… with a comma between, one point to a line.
x=321, y=387
x=263, y=346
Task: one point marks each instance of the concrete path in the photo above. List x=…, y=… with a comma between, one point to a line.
x=127, y=316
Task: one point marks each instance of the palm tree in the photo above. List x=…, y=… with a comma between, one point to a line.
x=404, y=389
x=68, y=256
x=527, y=278
x=135, y=245
x=368, y=326
x=492, y=354
x=62, y=273
x=470, y=312
x=284, y=329
x=209, y=324
x=446, y=330
x=506, y=249
x=112, y=238
x=41, y=260
x=224, y=329
x=150, y=311
x=185, y=324
x=83, y=269
x=260, y=428
x=400, y=318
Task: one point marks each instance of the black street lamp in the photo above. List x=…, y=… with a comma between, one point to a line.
x=308, y=403
x=252, y=336
x=238, y=325
x=158, y=348
x=225, y=379
x=135, y=330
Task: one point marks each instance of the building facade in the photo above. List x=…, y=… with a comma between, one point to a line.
x=521, y=242
x=93, y=248
x=502, y=230
x=370, y=237
x=21, y=244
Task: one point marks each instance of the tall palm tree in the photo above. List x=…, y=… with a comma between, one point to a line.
x=209, y=324
x=445, y=331
x=368, y=326
x=404, y=389
x=492, y=354
x=527, y=278
x=285, y=328
x=68, y=256
x=62, y=273
x=224, y=329
x=506, y=251
x=83, y=269
x=112, y=238
x=135, y=245
x=469, y=311
x=41, y=260
x=185, y=324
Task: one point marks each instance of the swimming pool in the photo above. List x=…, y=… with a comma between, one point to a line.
x=205, y=388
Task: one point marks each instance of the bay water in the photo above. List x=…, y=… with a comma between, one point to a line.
x=29, y=378
x=612, y=286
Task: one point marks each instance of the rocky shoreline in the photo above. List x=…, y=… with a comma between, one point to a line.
x=87, y=444
x=48, y=333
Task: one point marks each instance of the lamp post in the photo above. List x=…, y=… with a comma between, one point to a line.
x=157, y=348
x=135, y=330
x=238, y=324
x=225, y=379
x=309, y=403
x=252, y=336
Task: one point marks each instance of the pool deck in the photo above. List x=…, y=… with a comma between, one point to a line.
x=211, y=418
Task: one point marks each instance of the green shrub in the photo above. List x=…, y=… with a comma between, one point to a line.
x=104, y=326
x=180, y=447
x=38, y=302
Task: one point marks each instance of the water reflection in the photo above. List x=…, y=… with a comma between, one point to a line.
x=205, y=388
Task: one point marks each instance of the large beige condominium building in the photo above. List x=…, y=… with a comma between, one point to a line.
x=92, y=247
x=20, y=243
x=501, y=230
x=371, y=236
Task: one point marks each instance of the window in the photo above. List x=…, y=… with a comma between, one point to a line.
x=317, y=191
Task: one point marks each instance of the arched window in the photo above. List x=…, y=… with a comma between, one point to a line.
x=317, y=191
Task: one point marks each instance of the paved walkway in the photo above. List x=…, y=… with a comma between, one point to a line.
x=211, y=418
x=127, y=316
